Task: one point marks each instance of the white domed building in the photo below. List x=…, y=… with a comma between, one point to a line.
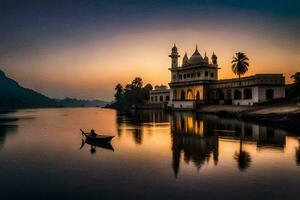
x=196, y=82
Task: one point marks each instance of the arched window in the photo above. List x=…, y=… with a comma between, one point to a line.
x=269, y=94
x=175, y=95
x=182, y=95
x=247, y=94
x=237, y=94
x=190, y=95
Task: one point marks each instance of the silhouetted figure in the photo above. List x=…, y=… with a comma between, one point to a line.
x=93, y=133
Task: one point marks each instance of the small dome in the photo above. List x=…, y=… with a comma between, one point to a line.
x=196, y=58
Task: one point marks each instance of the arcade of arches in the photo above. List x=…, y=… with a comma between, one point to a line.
x=239, y=94
x=191, y=93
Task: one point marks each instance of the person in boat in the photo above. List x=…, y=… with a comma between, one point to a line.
x=93, y=133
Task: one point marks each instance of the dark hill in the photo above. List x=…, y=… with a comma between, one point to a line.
x=15, y=96
x=12, y=95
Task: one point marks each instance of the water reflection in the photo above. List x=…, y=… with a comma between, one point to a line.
x=298, y=153
x=7, y=128
x=195, y=138
x=191, y=136
x=242, y=157
x=135, y=121
x=210, y=156
x=93, y=145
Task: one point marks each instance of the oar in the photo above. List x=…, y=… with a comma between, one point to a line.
x=82, y=143
x=82, y=132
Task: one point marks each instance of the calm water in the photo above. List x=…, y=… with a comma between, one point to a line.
x=153, y=156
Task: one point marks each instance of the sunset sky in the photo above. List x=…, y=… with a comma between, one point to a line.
x=83, y=48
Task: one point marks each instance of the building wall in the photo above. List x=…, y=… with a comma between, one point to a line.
x=182, y=105
x=259, y=94
x=278, y=91
x=184, y=74
x=189, y=91
x=246, y=101
x=159, y=96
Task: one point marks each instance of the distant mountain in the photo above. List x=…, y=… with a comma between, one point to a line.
x=12, y=95
x=71, y=102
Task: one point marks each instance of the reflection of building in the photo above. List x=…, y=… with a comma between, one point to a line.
x=264, y=137
x=189, y=138
x=196, y=82
x=134, y=123
x=196, y=138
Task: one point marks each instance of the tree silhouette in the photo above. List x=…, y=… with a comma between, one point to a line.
x=240, y=64
x=137, y=82
x=133, y=94
x=296, y=77
x=119, y=92
x=242, y=157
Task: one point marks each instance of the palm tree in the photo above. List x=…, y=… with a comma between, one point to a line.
x=240, y=64
x=242, y=157
x=296, y=77
x=137, y=82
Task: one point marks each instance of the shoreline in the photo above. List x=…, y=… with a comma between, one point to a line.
x=282, y=116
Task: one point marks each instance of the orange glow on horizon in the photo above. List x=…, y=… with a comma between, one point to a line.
x=96, y=65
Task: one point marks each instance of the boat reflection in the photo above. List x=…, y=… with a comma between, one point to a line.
x=93, y=145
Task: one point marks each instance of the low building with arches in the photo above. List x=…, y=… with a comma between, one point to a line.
x=195, y=82
x=249, y=90
x=160, y=96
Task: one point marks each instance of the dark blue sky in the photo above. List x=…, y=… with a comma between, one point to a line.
x=32, y=22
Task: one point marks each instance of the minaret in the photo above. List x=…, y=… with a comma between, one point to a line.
x=185, y=59
x=214, y=59
x=206, y=58
x=174, y=57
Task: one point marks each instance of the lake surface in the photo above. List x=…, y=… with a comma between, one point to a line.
x=154, y=155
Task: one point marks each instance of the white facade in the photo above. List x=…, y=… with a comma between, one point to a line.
x=161, y=94
x=196, y=82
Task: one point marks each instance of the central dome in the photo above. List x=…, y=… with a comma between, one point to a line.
x=196, y=58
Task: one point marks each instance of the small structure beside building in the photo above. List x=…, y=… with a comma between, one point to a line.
x=196, y=82
x=159, y=97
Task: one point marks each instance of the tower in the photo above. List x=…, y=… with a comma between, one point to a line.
x=214, y=59
x=185, y=59
x=174, y=57
x=206, y=59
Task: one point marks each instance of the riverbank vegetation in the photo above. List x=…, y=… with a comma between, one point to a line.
x=132, y=95
x=293, y=90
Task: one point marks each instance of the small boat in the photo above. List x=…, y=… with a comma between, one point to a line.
x=104, y=145
x=97, y=138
